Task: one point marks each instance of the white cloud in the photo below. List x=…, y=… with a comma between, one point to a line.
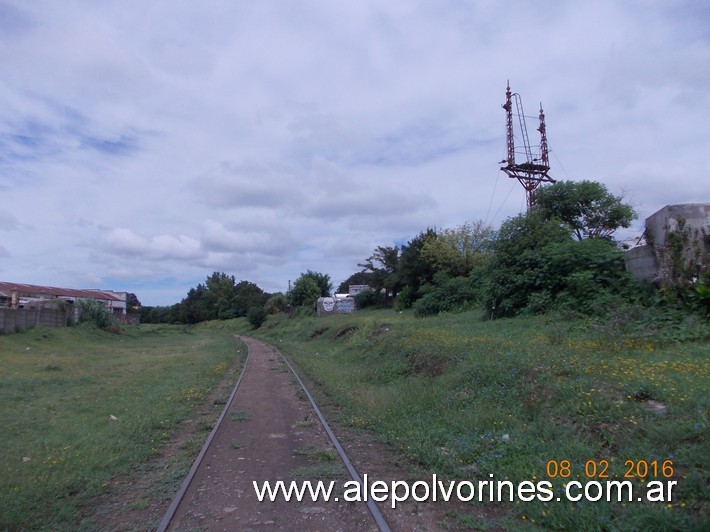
x=274, y=241
x=125, y=242
x=233, y=185
x=265, y=138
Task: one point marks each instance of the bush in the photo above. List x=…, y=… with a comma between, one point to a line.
x=406, y=298
x=446, y=294
x=94, y=313
x=276, y=304
x=538, y=267
x=256, y=316
x=368, y=298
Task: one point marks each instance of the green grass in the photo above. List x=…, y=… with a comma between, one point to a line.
x=83, y=406
x=445, y=390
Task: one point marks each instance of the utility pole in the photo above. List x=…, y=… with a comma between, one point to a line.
x=534, y=171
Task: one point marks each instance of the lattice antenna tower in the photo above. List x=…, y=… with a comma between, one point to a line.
x=534, y=170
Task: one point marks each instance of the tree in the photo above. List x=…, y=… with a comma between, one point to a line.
x=414, y=269
x=457, y=251
x=195, y=307
x=382, y=265
x=220, y=297
x=587, y=207
x=304, y=292
x=246, y=296
x=322, y=280
x=132, y=302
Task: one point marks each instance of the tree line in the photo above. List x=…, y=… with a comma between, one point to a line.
x=558, y=256
x=222, y=297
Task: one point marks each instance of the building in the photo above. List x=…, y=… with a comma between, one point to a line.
x=19, y=295
x=650, y=261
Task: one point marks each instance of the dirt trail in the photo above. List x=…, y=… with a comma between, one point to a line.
x=271, y=434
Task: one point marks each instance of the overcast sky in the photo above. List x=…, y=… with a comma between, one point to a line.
x=144, y=145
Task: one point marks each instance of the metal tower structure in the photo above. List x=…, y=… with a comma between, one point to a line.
x=534, y=170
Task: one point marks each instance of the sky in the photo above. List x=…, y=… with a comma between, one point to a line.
x=145, y=145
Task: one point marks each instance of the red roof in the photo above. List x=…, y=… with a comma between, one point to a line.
x=32, y=290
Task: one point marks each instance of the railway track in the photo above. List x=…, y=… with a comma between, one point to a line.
x=217, y=492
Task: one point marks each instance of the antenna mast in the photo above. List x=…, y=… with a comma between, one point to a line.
x=534, y=170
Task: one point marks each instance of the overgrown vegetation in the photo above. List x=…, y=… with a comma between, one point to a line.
x=466, y=398
x=369, y=299
x=94, y=312
x=538, y=267
x=684, y=261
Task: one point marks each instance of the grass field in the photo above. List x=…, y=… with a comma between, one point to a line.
x=467, y=399
x=83, y=406
x=458, y=396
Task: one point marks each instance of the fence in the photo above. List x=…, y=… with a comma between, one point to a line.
x=13, y=320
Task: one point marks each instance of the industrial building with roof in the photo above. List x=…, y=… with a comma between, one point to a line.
x=19, y=295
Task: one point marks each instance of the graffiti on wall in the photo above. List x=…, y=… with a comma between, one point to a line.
x=330, y=305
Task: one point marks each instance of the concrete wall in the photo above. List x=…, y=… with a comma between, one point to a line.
x=641, y=262
x=696, y=215
x=13, y=320
x=645, y=262
x=326, y=306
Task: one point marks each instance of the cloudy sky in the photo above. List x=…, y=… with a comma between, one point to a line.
x=144, y=145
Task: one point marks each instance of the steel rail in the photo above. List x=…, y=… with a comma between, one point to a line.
x=170, y=513
x=374, y=511
x=371, y=506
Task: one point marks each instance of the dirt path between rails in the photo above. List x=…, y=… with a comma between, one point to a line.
x=272, y=433
x=269, y=434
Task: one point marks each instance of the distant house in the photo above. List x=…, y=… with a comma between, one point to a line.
x=19, y=295
x=355, y=289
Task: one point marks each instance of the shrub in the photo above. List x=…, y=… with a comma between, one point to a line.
x=538, y=267
x=406, y=298
x=445, y=295
x=368, y=298
x=276, y=304
x=94, y=312
x=256, y=316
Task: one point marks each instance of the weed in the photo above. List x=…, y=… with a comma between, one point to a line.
x=307, y=422
x=320, y=454
x=205, y=425
x=241, y=415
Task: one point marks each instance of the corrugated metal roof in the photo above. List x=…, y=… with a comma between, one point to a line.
x=6, y=290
